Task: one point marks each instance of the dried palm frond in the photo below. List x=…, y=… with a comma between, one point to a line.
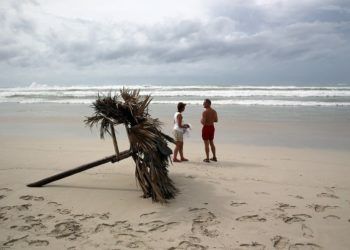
x=148, y=144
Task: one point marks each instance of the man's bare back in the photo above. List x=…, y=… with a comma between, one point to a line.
x=209, y=116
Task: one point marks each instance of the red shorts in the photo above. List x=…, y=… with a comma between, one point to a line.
x=208, y=132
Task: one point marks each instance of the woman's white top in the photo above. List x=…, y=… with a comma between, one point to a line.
x=176, y=124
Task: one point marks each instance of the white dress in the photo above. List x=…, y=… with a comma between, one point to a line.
x=176, y=124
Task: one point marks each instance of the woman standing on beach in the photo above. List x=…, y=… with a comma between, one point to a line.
x=178, y=132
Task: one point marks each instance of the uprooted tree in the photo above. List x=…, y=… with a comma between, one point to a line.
x=148, y=145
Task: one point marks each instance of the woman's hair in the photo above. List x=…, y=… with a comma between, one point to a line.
x=181, y=106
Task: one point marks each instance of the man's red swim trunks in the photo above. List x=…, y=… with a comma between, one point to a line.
x=208, y=132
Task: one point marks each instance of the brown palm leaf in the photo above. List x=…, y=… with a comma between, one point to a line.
x=148, y=144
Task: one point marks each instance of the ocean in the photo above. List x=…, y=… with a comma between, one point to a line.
x=321, y=96
x=289, y=116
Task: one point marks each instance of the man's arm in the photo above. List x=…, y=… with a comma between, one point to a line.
x=216, y=117
x=204, y=118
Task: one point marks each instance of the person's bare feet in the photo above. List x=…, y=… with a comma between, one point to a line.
x=214, y=159
x=176, y=160
x=184, y=159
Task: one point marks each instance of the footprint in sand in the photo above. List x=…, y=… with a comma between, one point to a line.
x=156, y=225
x=31, y=219
x=230, y=191
x=297, y=196
x=214, y=182
x=63, y=211
x=2, y=197
x=3, y=217
x=35, y=224
x=137, y=244
x=327, y=195
x=280, y=242
x=54, y=203
x=307, y=232
x=283, y=206
x=38, y=227
x=251, y=246
x=251, y=218
x=68, y=229
x=125, y=237
x=6, y=189
x=190, y=177
x=129, y=240
x=48, y=217
x=292, y=219
x=254, y=179
x=203, y=222
x=193, y=239
x=295, y=218
x=262, y=193
x=237, y=204
x=331, y=217
x=38, y=243
x=117, y=227
x=38, y=218
x=22, y=207
x=330, y=189
x=320, y=208
x=31, y=198
x=188, y=245
x=104, y=216
x=14, y=241
x=147, y=214
x=21, y=228
x=82, y=217
x=195, y=209
x=304, y=246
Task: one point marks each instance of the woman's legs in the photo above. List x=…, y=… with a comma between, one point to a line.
x=176, y=150
x=181, y=150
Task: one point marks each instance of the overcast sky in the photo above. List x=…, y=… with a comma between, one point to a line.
x=174, y=42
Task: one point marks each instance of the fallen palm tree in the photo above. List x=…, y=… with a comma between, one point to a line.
x=148, y=145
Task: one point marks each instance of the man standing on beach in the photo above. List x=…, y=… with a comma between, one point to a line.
x=209, y=116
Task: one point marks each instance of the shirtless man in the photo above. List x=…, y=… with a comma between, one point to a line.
x=209, y=116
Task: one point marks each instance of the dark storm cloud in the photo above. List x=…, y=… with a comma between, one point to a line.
x=191, y=41
x=234, y=30
x=22, y=25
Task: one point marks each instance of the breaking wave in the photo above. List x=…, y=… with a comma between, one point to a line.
x=192, y=94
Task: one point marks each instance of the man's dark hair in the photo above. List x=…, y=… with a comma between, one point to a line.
x=181, y=106
x=207, y=101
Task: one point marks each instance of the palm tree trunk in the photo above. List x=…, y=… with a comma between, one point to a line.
x=113, y=158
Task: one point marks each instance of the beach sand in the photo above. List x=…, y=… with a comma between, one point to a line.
x=255, y=197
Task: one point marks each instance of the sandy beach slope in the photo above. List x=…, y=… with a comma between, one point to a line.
x=282, y=182
x=253, y=198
